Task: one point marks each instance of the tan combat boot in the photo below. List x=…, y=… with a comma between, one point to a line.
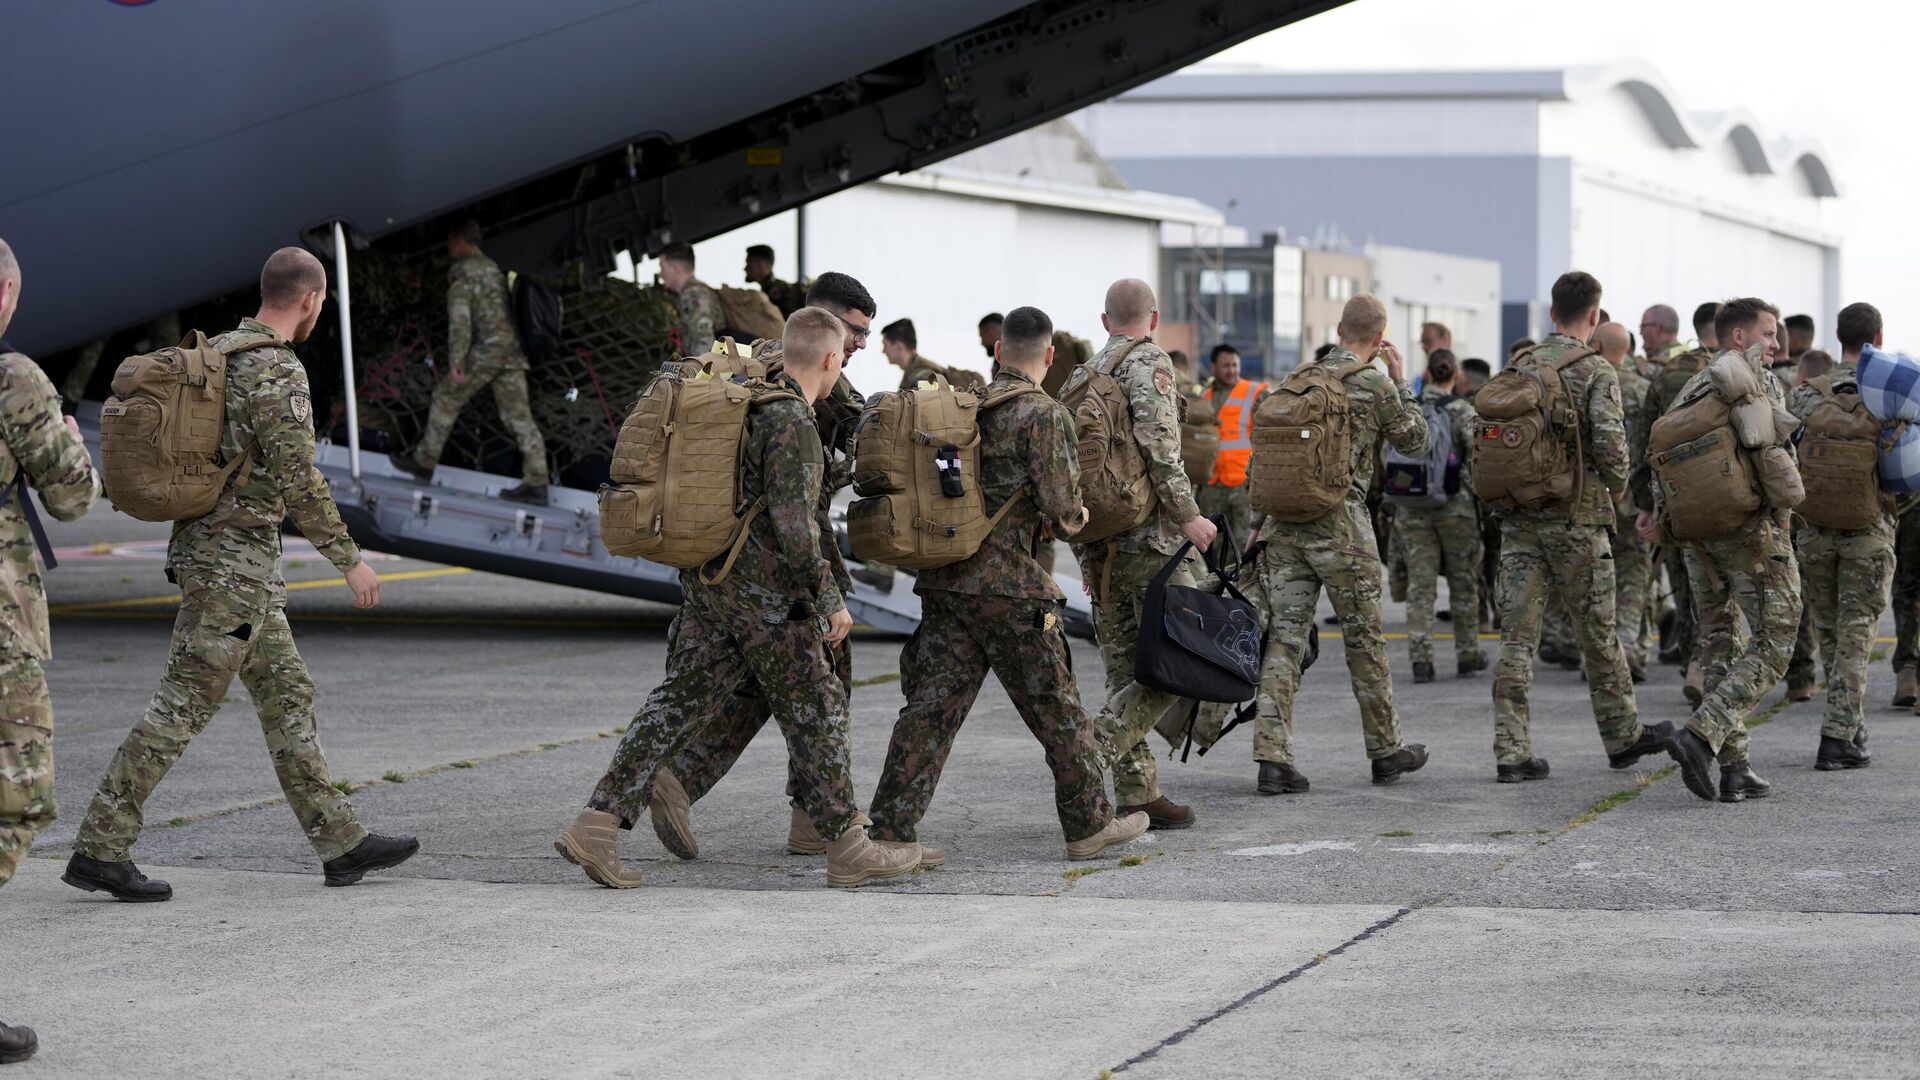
x=930, y=857
x=1119, y=830
x=1695, y=687
x=673, y=816
x=855, y=860
x=1906, y=690
x=592, y=843
x=804, y=839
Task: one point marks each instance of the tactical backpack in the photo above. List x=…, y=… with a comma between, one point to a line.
x=1840, y=460
x=1302, y=463
x=749, y=314
x=1115, y=485
x=1526, y=441
x=1428, y=481
x=916, y=466
x=1199, y=438
x=160, y=432
x=674, y=496
x=1706, y=481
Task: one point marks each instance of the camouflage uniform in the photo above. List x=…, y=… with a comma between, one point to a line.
x=758, y=633
x=483, y=345
x=36, y=445
x=700, y=318
x=1803, y=666
x=1340, y=553
x=1119, y=568
x=161, y=332
x=233, y=618
x=998, y=611
x=1567, y=549
x=787, y=296
x=919, y=369
x=1633, y=569
x=1845, y=575
x=1663, y=389
x=1445, y=538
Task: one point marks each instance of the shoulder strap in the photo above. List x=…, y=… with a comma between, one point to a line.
x=1349, y=369
x=18, y=489
x=241, y=342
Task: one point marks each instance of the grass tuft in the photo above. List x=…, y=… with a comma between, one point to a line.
x=179, y=823
x=461, y=764
x=394, y=776
x=345, y=787
x=1403, y=832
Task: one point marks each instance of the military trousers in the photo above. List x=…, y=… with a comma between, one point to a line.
x=1132, y=709
x=1022, y=641
x=1906, y=590
x=1846, y=575
x=1633, y=574
x=1232, y=503
x=1752, y=574
x=1686, y=614
x=713, y=657
x=1803, y=667
x=1437, y=542
x=26, y=757
x=1541, y=557
x=1337, y=553
x=226, y=627
x=516, y=412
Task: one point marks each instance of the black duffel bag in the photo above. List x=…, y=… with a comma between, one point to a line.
x=1196, y=644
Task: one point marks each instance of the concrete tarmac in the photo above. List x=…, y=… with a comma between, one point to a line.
x=1598, y=923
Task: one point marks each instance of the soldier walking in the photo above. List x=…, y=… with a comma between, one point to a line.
x=1444, y=539
x=1633, y=569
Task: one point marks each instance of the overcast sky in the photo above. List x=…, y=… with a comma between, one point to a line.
x=1833, y=72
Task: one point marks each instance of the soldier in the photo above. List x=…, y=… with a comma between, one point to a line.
x=483, y=349
x=1800, y=334
x=762, y=630
x=1660, y=334
x=1232, y=397
x=161, y=332
x=233, y=618
x=1750, y=572
x=989, y=327
x=1116, y=571
x=998, y=611
x=901, y=345
x=42, y=450
x=700, y=314
x=1565, y=547
x=1632, y=553
x=1444, y=539
x=1434, y=336
x=1338, y=551
x=785, y=295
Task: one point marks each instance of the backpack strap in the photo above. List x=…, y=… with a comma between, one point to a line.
x=17, y=489
x=239, y=343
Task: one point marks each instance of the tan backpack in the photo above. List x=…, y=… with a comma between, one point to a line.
x=1526, y=440
x=1302, y=463
x=160, y=432
x=1115, y=485
x=749, y=313
x=916, y=464
x=1707, y=483
x=1840, y=461
x=1199, y=438
x=675, y=496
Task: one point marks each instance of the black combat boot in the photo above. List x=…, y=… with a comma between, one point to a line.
x=1739, y=781
x=1841, y=754
x=1408, y=758
x=1695, y=756
x=1653, y=740
x=531, y=494
x=1534, y=768
x=406, y=463
x=1636, y=672
x=1471, y=663
x=122, y=880
x=373, y=853
x=1422, y=671
x=1549, y=653
x=17, y=1044
x=1162, y=813
x=1280, y=778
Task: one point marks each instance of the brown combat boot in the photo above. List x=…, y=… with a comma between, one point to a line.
x=931, y=858
x=1119, y=829
x=855, y=860
x=1906, y=688
x=673, y=816
x=592, y=843
x=804, y=839
x=1800, y=693
x=1162, y=813
x=1695, y=687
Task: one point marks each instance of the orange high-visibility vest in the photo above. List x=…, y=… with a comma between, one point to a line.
x=1236, y=433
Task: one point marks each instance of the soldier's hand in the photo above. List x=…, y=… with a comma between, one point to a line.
x=1645, y=527
x=1201, y=532
x=1074, y=524
x=72, y=424
x=839, y=624
x=1396, y=367
x=365, y=585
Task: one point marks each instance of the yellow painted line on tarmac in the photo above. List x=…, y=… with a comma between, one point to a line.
x=315, y=583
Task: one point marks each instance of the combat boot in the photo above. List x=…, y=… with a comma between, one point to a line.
x=931, y=858
x=1471, y=663
x=1163, y=813
x=1280, y=778
x=1548, y=653
x=1653, y=740
x=1408, y=758
x=855, y=860
x=592, y=843
x=804, y=839
x=407, y=463
x=672, y=814
x=1422, y=671
x=1118, y=830
x=1534, y=768
x=17, y=1044
x=1906, y=687
x=1636, y=671
x=122, y=880
x=373, y=853
x=1695, y=688
x=531, y=494
x=1836, y=754
x=1802, y=692
x=1739, y=782
x=1695, y=757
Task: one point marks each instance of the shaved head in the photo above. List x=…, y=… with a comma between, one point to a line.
x=290, y=274
x=1613, y=341
x=9, y=285
x=9, y=266
x=1129, y=302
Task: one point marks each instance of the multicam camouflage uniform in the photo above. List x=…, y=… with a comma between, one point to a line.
x=1120, y=568
x=998, y=611
x=1445, y=538
x=1340, y=553
x=233, y=618
x=1567, y=549
x=1633, y=569
x=483, y=346
x=758, y=633
x=1663, y=389
x=1846, y=575
x=36, y=445
x=701, y=317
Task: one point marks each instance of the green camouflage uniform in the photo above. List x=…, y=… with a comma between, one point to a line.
x=700, y=318
x=998, y=611
x=1443, y=539
x=1337, y=552
x=758, y=633
x=36, y=445
x=233, y=618
x=1567, y=549
x=483, y=345
x=1120, y=568
x=786, y=295
x=1663, y=388
x=1633, y=570
x=1846, y=575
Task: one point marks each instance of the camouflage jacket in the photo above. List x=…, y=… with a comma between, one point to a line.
x=781, y=570
x=1459, y=410
x=34, y=441
x=1154, y=404
x=835, y=415
x=480, y=331
x=919, y=369
x=269, y=409
x=1663, y=389
x=786, y=295
x=700, y=318
x=1027, y=455
x=1634, y=389
x=1595, y=386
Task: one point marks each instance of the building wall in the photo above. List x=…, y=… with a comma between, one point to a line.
x=1463, y=294
x=1328, y=280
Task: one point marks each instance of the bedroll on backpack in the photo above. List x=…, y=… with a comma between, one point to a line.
x=916, y=464
x=1428, y=481
x=750, y=314
x=1707, y=483
x=674, y=496
x=1115, y=486
x=1302, y=464
x=1840, y=462
x=1526, y=439
x=160, y=432
x=1199, y=439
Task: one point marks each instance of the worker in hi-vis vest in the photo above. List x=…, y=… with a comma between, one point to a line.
x=1232, y=399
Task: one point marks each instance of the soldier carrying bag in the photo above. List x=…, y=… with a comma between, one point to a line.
x=1526, y=447
x=161, y=430
x=1196, y=644
x=1840, y=460
x=1114, y=482
x=1302, y=464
